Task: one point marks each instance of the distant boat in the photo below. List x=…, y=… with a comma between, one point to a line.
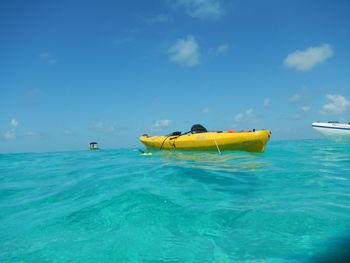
x=93, y=146
x=333, y=130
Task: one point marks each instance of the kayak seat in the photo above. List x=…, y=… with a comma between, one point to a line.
x=198, y=128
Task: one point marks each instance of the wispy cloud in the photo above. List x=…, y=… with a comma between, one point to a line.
x=301, y=114
x=223, y=48
x=14, y=123
x=11, y=133
x=336, y=104
x=32, y=97
x=158, y=19
x=205, y=110
x=202, y=9
x=161, y=124
x=100, y=126
x=296, y=98
x=297, y=117
x=48, y=58
x=267, y=102
x=126, y=36
x=185, y=52
x=306, y=108
x=247, y=116
x=32, y=133
x=304, y=60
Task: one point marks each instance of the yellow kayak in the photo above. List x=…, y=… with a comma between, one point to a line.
x=250, y=141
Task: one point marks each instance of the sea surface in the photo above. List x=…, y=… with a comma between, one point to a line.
x=289, y=204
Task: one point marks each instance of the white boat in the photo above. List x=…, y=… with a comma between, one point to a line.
x=335, y=131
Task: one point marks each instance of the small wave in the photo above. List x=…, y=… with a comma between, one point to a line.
x=116, y=205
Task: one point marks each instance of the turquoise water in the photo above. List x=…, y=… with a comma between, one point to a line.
x=288, y=204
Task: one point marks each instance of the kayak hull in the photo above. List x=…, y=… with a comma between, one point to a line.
x=210, y=141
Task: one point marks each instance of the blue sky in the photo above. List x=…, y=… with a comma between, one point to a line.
x=108, y=71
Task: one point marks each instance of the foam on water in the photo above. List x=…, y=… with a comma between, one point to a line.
x=285, y=205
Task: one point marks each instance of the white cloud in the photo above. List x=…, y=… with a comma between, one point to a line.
x=267, y=102
x=336, y=104
x=185, y=52
x=14, y=123
x=304, y=60
x=48, y=58
x=306, y=108
x=203, y=9
x=247, y=116
x=219, y=50
x=11, y=133
x=160, y=124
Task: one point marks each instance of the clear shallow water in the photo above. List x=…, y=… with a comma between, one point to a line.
x=289, y=204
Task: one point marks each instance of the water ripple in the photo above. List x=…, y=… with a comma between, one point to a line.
x=119, y=206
